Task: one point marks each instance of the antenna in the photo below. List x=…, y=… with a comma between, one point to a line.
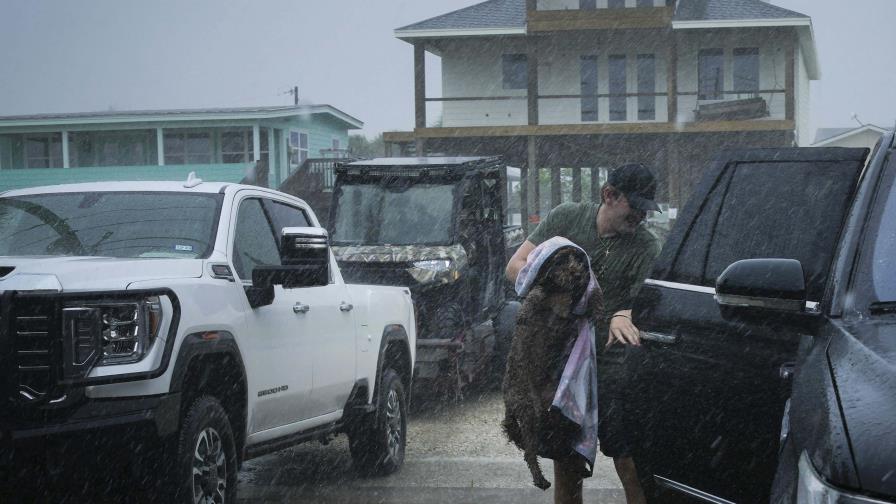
x=855, y=117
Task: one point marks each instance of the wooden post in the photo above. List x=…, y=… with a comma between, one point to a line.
x=556, y=189
x=66, y=163
x=577, y=184
x=595, y=184
x=420, y=94
x=533, y=176
x=672, y=79
x=160, y=146
x=532, y=79
x=790, y=78
x=524, y=195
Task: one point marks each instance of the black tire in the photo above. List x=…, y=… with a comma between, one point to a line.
x=205, y=432
x=378, y=442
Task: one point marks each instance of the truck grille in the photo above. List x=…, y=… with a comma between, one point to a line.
x=32, y=333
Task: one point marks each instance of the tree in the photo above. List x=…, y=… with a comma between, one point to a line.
x=360, y=146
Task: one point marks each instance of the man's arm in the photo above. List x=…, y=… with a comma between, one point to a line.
x=518, y=260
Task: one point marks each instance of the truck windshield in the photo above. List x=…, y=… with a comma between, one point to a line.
x=373, y=214
x=110, y=224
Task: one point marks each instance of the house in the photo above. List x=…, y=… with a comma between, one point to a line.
x=218, y=144
x=585, y=84
x=863, y=136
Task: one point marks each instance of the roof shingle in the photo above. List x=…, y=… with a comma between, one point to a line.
x=489, y=14
x=512, y=14
x=719, y=10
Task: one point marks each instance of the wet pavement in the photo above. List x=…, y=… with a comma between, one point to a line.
x=456, y=454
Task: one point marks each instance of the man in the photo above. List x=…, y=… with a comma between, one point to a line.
x=622, y=252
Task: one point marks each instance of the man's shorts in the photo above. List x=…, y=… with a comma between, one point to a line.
x=612, y=385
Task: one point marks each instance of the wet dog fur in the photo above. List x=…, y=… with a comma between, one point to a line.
x=545, y=326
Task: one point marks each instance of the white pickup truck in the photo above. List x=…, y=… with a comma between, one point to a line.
x=181, y=328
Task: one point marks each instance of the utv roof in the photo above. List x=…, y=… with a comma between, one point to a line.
x=424, y=161
x=419, y=166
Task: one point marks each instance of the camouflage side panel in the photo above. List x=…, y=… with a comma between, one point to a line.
x=404, y=254
x=514, y=236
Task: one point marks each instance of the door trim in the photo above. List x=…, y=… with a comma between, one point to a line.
x=811, y=306
x=693, y=492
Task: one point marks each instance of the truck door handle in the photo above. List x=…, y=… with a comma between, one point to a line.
x=301, y=308
x=666, y=339
x=346, y=307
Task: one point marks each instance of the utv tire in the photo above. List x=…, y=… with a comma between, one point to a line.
x=377, y=444
x=205, y=467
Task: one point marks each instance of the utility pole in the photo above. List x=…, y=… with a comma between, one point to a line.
x=295, y=94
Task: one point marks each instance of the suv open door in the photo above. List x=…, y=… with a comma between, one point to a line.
x=712, y=379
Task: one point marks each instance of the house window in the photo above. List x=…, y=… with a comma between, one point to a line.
x=746, y=70
x=587, y=4
x=112, y=148
x=335, y=144
x=616, y=4
x=588, y=65
x=644, y=3
x=709, y=74
x=646, y=87
x=618, y=98
x=43, y=151
x=236, y=146
x=188, y=148
x=298, y=149
x=515, y=71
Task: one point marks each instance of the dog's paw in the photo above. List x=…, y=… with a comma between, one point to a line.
x=542, y=483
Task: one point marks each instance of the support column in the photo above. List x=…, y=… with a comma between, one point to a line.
x=65, y=159
x=524, y=199
x=256, y=143
x=556, y=187
x=577, y=184
x=595, y=184
x=420, y=94
x=672, y=79
x=790, y=78
x=532, y=164
x=532, y=79
x=160, y=146
x=273, y=168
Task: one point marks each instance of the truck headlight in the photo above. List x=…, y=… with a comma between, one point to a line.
x=813, y=490
x=114, y=332
x=434, y=269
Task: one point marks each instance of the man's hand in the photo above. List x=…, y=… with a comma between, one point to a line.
x=623, y=330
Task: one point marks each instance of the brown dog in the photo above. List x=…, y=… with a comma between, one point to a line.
x=545, y=326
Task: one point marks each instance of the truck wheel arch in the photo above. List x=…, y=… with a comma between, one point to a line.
x=394, y=353
x=207, y=362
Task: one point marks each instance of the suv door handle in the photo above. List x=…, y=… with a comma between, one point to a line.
x=666, y=339
x=301, y=308
x=346, y=307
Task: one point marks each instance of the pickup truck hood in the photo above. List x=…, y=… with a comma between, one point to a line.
x=90, y=273
x=864, y=368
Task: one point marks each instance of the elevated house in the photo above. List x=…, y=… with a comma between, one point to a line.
x=218, y=144
x=585, y=84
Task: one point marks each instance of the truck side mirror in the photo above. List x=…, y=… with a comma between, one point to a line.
x=305, y=259
x=763, y=284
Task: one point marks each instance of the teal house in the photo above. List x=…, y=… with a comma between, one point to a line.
x=217, y=144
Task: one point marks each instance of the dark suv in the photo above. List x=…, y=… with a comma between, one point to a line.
x=768, y=369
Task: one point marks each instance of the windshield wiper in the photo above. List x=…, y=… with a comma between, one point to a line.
x=882, y=307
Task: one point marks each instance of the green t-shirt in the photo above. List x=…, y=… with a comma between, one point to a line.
x=620, y=263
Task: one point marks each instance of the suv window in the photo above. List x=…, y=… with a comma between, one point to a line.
x=779, y=210
x=878, y=263
x=254, y=243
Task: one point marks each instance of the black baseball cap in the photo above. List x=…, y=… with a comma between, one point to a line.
x=637, y=183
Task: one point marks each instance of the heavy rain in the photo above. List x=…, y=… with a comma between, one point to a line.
x=509, y=251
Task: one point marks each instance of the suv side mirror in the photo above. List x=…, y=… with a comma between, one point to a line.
x=768, y=284
x=305, y=259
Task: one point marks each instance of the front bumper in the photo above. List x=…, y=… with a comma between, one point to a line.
x=88, y=430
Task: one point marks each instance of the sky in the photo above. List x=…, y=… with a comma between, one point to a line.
x=95, y=55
